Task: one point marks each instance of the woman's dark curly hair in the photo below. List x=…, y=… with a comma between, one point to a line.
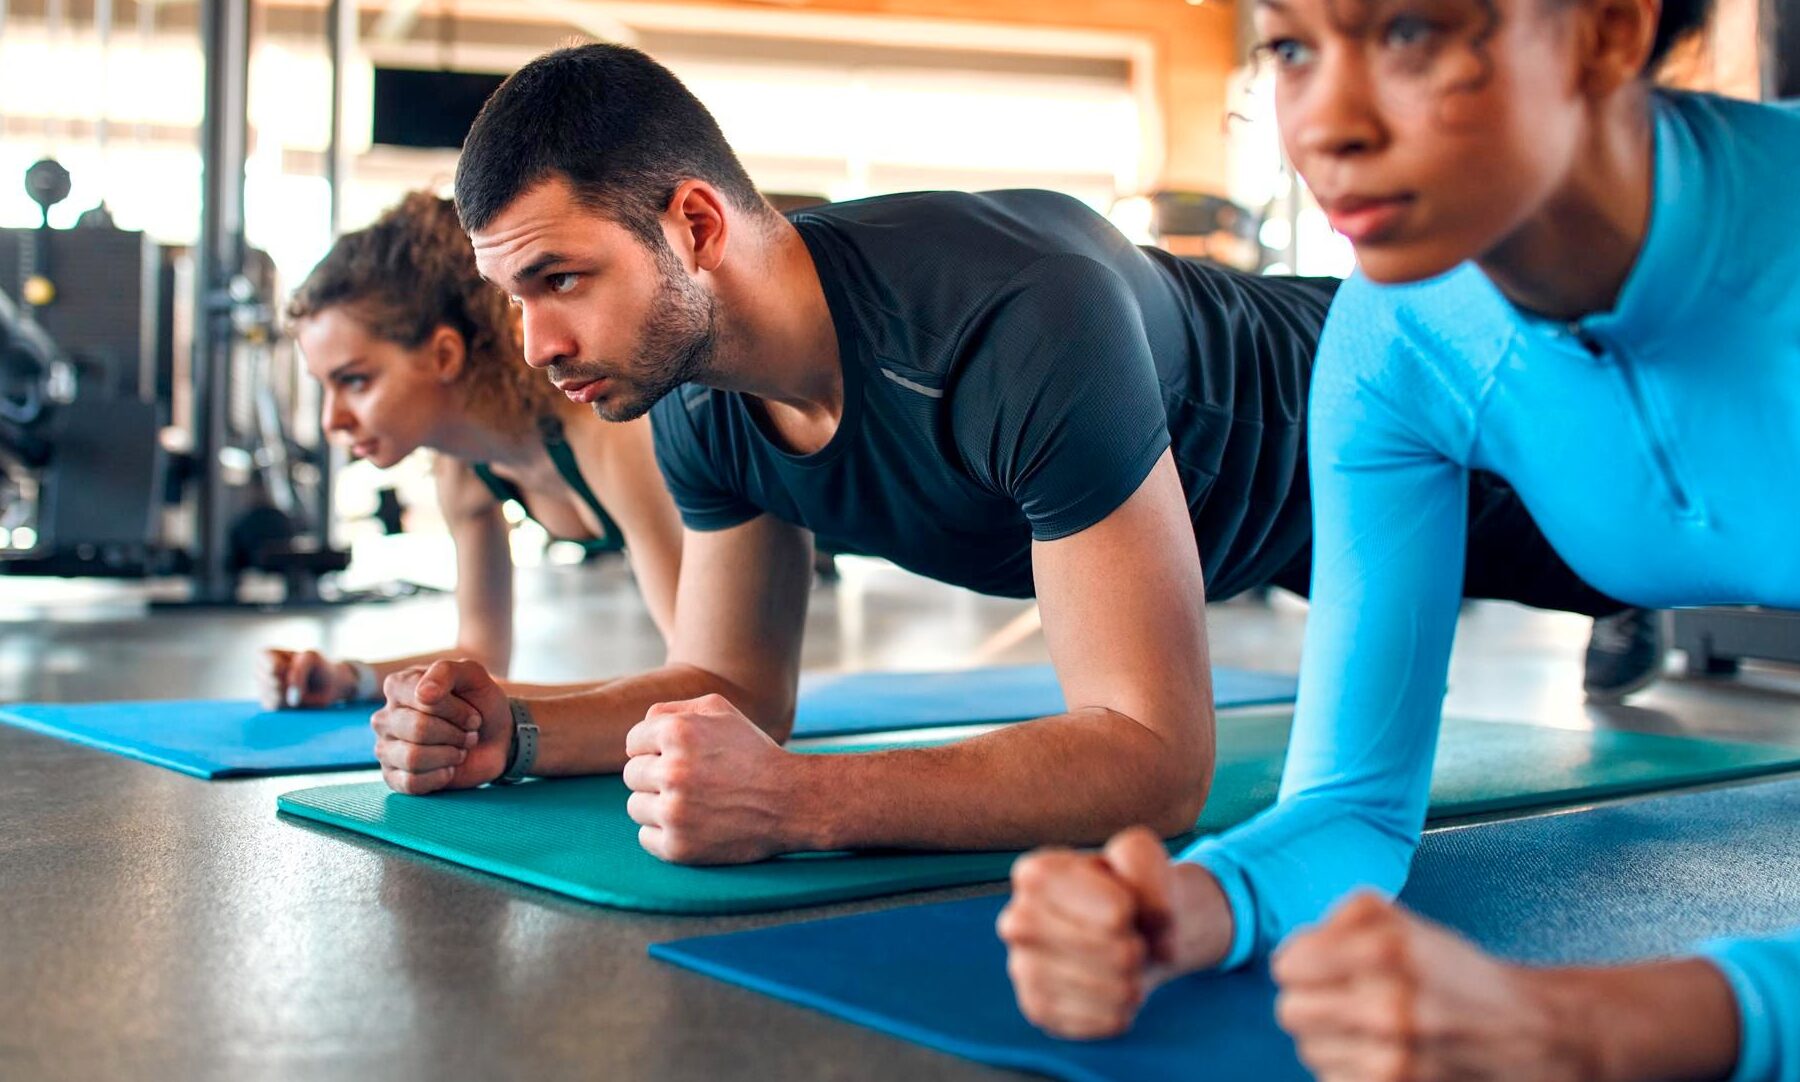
x=412, y=272
x=1680, y=19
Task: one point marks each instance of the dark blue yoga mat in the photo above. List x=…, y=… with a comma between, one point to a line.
x=855, y=704
x=210, y=738
x=238, y=738
x=1651, y=877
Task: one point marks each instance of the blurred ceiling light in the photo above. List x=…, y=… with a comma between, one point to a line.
x=397, y=21
x=1275, y=234
x=1133, y=216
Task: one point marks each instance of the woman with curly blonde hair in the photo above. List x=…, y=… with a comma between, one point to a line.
x=413, y=349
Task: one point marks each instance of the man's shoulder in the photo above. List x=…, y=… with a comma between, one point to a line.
x=920, y=277
x=918, y=239
x=949, y=208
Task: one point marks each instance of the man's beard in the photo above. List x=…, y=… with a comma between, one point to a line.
x=678, y=346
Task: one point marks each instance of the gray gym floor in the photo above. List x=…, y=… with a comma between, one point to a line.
x=156, y=926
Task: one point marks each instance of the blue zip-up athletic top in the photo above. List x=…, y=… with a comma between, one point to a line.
x=1657, y=444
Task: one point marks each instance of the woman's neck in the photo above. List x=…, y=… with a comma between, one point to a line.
x=468, y=437
x=1573, y=256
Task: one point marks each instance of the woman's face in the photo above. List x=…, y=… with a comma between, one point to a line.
x=381, y=399
x=1429, y=130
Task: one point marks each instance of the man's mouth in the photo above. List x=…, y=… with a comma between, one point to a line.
x=583, y=390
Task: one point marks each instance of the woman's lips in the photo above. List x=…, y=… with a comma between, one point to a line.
x=1367, y=220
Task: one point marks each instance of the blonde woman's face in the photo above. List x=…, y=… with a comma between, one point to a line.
x=382, y=400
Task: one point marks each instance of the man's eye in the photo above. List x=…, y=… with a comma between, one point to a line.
x=560, y=283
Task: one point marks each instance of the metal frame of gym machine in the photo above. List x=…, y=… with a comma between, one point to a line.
x=1716, y=639
x=253, y=499
x=220, y=293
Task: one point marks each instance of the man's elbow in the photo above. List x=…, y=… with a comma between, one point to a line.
x=777, y=719
x=1183, y=781
x=769, y=704
x=1179, y=809
x=772, y=707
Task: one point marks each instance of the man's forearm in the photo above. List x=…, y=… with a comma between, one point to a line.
x=520, y=689
x=584, y=732
x=1073, y=779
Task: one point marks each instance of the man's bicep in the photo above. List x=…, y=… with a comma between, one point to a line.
x=740, y=609
x=1123, y=604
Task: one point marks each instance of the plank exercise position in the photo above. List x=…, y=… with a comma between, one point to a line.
x=1591, y=287
x=997, y=391
x=414, y=350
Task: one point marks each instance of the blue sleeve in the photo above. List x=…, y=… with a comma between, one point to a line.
x=1389, y=534
x=682, y=423
x=1764, y=975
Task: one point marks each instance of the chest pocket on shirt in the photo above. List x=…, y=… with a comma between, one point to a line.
x=915, y=399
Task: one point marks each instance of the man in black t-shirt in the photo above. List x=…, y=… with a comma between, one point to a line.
x=993, y=390
x=1012, y=369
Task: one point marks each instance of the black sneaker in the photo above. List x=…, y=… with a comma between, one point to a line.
x=1624, y=654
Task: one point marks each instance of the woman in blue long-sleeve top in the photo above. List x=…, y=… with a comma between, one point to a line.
x=1592, y=288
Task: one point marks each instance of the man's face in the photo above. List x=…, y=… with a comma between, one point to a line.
x=614, y=323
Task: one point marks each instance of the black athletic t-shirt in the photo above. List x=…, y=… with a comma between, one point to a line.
x=1013, y=367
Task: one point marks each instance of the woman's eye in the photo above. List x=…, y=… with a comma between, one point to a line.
x=353, y=383
x=560, y=283
x=1407, y=32
x=1288, y=52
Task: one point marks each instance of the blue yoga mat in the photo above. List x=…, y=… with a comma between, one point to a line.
x=211, y=738
x=1651, y=877
x=855, y=704
x=238, y=738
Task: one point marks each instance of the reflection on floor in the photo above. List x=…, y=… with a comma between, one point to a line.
x=92, y=641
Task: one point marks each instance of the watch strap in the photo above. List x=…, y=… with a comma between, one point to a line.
x=521, y=754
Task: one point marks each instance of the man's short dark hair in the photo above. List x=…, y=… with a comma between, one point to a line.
x=617, y=125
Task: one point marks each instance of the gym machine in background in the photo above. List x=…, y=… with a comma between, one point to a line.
x=85, y=367
x=110, y=464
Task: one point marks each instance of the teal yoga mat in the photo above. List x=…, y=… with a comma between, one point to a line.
x=574, y=837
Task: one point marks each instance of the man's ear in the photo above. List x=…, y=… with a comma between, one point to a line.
x=698, y=225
